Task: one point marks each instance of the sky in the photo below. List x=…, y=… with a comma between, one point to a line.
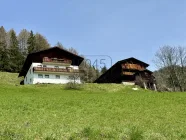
x=102, y=30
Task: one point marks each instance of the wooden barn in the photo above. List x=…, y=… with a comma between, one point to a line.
x=129, y=71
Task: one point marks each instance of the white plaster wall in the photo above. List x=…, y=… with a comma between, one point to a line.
x=128, y=83
x=64, y=78
x=52, y=79
x=29, y=76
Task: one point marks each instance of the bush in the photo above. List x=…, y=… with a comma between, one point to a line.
x=72, y=85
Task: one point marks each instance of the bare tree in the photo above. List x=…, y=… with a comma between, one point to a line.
x=74, y=81
x=172, y=64
x=181, y=70
x=74, y=77
x=59, y=44
x=22, y=40
x=41, y=42
x=72, y=50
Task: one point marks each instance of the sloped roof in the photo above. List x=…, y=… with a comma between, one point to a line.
x=51, y=52
x=135, y=60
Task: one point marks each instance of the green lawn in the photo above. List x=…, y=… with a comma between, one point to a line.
x=98, y=111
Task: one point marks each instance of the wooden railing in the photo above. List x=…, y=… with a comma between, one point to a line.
x=132, y=66
x=55, y=69
x=128, y=73
x=56, y=60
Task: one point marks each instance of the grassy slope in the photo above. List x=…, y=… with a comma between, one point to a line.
x=9, y=78
x=95, y=112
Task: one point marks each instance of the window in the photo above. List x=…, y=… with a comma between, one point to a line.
x=54, y=58
x=57, y=76
x=26, y=78
x=46, y=76
x=69, y=69
x=56, y=67
x=40, y=76
x=61, y=60
x=39, y=65
x=30, y=71
x=30, y=80
x=44, y=66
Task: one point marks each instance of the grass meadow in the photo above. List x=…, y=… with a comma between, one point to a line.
x=97, y=111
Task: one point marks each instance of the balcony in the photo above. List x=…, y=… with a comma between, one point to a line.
x=128, y=73
x=56, y=61
x=133, y=67
x=55, y=70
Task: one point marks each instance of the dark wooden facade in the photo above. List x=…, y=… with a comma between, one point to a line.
x=128, y=70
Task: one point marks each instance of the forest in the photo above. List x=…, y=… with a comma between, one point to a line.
x=15, y=48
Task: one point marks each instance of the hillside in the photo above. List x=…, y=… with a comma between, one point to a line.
x=97, y=111
x=9, y=78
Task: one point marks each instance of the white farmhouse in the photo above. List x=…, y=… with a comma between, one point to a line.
x=54, y=65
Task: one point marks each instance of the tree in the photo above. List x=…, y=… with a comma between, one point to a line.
x=5, y=63
x=4, y=55
x=41, y=42
x=74, y=80
x=8, y=34
x=2, y=35
x=171, y=62
x=90, y=73
x=103, y=70
x=181, y=72
x=74, y=77
x=31, y=42
x=2, y=39
x=16, y=58
x=22, y=40
x=72, y=50
x=97, y=74
x=167, y=57
x=60, y=45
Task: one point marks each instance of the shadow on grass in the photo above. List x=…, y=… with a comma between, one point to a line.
x=50, y=138
x=10, y=135
x=136, y=134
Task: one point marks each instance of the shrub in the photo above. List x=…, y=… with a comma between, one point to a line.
x=72, y=85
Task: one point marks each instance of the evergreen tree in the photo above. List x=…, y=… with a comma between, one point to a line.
x=5, y=63
x=2, y=38
x=103, y=70
x=31, y=42
x=4, y=55
x=97, y=73
x=2, y=35
x=16, y=58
